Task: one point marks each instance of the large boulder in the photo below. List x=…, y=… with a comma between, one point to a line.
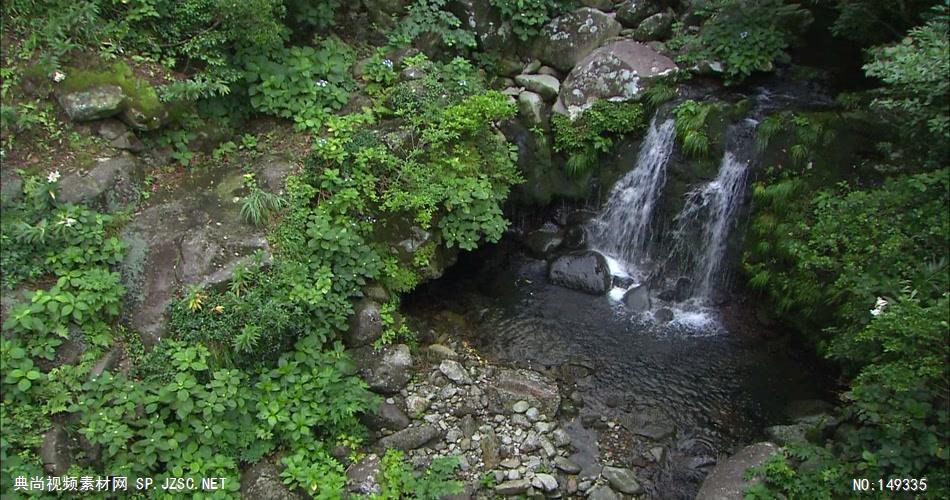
x=386, y=370
x=94, y=103
x=618, y=71
x=492, y=32
x=637, y=299
x=110, y=185
x=366, y=324
x=586, y=271
x=55, y=452
x=511, y=386
x=656, y=27
x=533, y=111
x=262, y=481
x=386, y=416
x=726, y=482
x=362, y=477
x=569, y=38
x=632, y=12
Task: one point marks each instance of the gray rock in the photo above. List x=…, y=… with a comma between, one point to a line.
x=663, y=315
x=55, y=451
x=11, y=187
x=575, y=237
x=262, y=480
x=490, y=449
x=439, y=352
x=454, y=372
x=468, y=426
x=602, y=492
x=532, y=67
x=94, y=103
x=272, y=172
x=656, y=27
x=544, y=482
x=416, y=405
x=632, y=12
x=586, y=271
x=365, y=325
x=362, y=477
x=111, y=129
x=547, y=70
x=533, y=414
x=513, y=487
x=784, y=435
x=532, y=109
x=387, y=370
x=546, y=86
x=111, y=184
x=567, y=39
x=618, y=71
x=410, y=438
x=637, y=299
x=511, y=386
x=492, y=31
x=725, y=481
x=139, y=120
x=543, y=242
x=387, y=416
x=129, y=142
x=622, y=480
x=566, y=465
x=108, y=362
x=520, y=407
x=604, y=5
x=561, y=438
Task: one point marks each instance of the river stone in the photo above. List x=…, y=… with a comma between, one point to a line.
x=361, y=477
x=111, y=184
x=544, y=482
x=387, y=416
x=726, y=482
x=365, y=325
x=566, y=465
x=618, y=71
x=410, y=438
x=513, y=487
x=532, y=110
x=656, y=27
x=55, y=451
x=632, y=12
x=387, y=370
x=663, y=315
x=544, y=85
x=565, y=40
x=622, y=480
x=94, y=103
x=513, y=385
x=586, y=271
x=637, y=299
x=602, y=492
x=262, y=480
x=542, y=242
x=454, y=372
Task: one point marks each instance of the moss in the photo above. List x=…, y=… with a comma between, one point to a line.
x=141, y=94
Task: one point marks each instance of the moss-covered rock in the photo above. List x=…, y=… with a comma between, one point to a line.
x=108, y=92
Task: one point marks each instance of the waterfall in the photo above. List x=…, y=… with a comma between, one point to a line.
x=711, y=209
x=622, y=230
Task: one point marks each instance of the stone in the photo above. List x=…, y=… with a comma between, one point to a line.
x=111, y=184
x=725, y=481
x=11, y=187
x=513, y=487
x=663, y=315
x=55, y=452
x=546, y=86
x=129, y=142
x=622, y=480
x=510, y=463
x=618, y=71
x=262, y=480
x=561, y=438
x=637, y=299
x=543, y=242
x=658, y=453
x=784, y=435
x=533, y=414
x=803, y=408
x=575, y=237
x=513, y=385
x=602, y=492
x=492, y=31
x=439, y=352
x=272, y=172
x=532, y=110
x=598, y=4
x=94, y=103
x=111, y=129
x=387, y=370
x=455, y=372
x=567, y=39
x=361, y=477
x=410, y=438
x=659, y=26
x=416, y=405
x=532, y=67
x=683, y=289
x=490, y=449
x=387, y=416
x=566, y=465
x=139, y=120
x=544, y=482
x=586, y=271
x=520, y=407
x=632, y=12
x=365, y=325
x=547, y=70
x=108, y=362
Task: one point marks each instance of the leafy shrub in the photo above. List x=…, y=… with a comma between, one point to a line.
x=398, y=481
x=593, y=132
x=431, y=17
x=691, y=126
x=528, y=16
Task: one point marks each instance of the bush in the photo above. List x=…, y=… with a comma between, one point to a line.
x=594, y=131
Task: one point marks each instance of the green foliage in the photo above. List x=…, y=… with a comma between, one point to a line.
x=809, y=133
x=594, y=131
x=142, y=96
x=259, y=205
x=691, y=117
x=431, y=17
x=743, y=36
x=876, y=21
x=398, y=481
x=528, y=16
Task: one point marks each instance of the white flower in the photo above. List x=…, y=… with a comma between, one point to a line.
x=462, y=83
x=744, y=35
x=879, y=307
x=322, y=83
x=387, y=63
x=58, y=76
x=53, y=176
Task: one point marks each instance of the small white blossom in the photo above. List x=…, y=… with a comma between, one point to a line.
x=58, y=76
x=744, y=35
x=67, y=221
x=879, y=307
x=322, y=83
x=53, y=176
x=462, y=83
x=387, y=63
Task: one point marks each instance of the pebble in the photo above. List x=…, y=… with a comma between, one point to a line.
x=567, y=465
x=544, y=482
x=533, y=414
x=521, y=407
x=510, y=463
x=561, y=438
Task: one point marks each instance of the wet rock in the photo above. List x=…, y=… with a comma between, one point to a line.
x=575, y=237
x=533, y=111
x=513, y=487
x=410, y=438
x=567, y=39
x=544, y=482
x=567, y=466
x=784, y=435
x=362, y=477
x=111, y=184
x=602, y=492
x=726, y=482
x=387, y=370
x=618, y=71
x=545, y=86
x=622, y=480
x=262, y=480
x=663, y=315
x=387, y=416
x=55, y=451
x=542, y=242
x=656, y=27
x=439, y=352
x=632, y=12
x=586, y=271
x=94, y=103
x=637, y=299
x=365, y=325
x=683, y=289
x=511, y=386
x=455, y=372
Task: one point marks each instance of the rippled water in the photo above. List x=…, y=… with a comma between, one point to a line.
x=718, y=390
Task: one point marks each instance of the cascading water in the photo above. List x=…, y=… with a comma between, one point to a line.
x=622, y=230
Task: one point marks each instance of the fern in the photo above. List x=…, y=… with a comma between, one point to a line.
x=259, y=205
x=690, y=127
x=581, y=161
x=659, y=93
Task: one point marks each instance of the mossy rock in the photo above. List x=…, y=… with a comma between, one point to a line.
x=141, y=109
